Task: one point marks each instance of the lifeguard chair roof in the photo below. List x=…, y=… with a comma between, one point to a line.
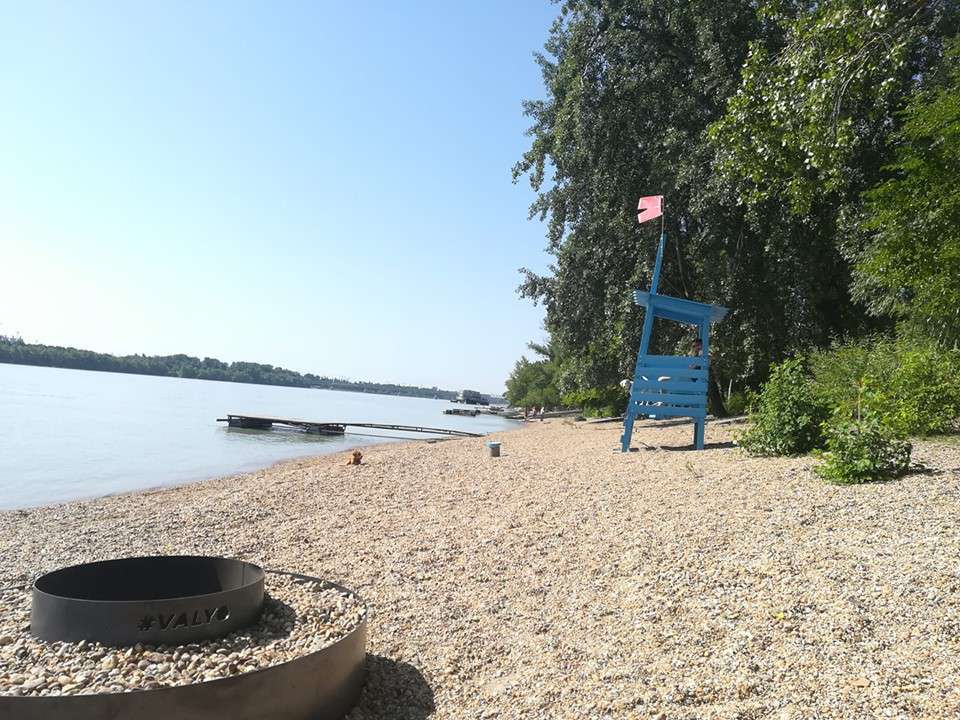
x=678, y=309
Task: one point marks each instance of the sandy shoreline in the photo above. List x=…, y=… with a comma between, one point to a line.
x=568, y=580
x=176, y=484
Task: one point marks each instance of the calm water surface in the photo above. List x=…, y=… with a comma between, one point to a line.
x=68, y=434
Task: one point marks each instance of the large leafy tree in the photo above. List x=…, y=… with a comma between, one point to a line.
x=632, y=87
x=814, y=126
x=811, y=121
x=910, y=266
x=533, y=383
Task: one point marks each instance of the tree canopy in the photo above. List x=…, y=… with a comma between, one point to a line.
x=533, y=383
x=761, y=124
x=910, y=265
x=811, y=120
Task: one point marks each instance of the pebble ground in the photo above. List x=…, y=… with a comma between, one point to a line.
x=567, y=580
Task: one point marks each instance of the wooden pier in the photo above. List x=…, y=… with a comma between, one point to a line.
x=264, y=422
x=465, y=412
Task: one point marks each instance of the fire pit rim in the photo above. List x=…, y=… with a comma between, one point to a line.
x=361, y=627
x=98, y=600
x=258, y=573
x=351, y=645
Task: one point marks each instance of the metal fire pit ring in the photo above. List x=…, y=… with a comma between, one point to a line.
x=159, y=600
x=322, y=685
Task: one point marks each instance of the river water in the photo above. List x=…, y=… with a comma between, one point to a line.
x=69, y=434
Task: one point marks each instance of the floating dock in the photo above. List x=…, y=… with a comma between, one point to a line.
x=264, y=422
x=462, y=411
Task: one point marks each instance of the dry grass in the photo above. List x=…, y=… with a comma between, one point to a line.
x=568, y=580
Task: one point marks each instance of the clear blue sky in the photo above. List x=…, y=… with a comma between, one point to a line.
x=322, y=186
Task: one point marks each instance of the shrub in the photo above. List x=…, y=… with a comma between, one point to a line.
x=863, y=450
x=838, y=372
x=786, y=417
x=737, y=403
x=924, y=395
x=598, y=402
x=912, y=387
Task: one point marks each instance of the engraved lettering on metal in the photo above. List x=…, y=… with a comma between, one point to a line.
x=163, y=599
x=206, y=616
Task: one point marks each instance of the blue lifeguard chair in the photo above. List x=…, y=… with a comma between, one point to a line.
x=667, y=386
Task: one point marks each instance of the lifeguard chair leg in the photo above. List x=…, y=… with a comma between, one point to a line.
x=627, y=430
x=631, y=413
x=699, y=427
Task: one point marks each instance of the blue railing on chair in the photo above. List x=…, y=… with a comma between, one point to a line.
x=670, y=386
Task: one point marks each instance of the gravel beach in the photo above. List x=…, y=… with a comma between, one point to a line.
x=565, y=579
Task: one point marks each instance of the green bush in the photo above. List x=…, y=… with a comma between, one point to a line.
x=924, y=396
x=860, y=451
x=737, y=403
x=910, y=386
x=598, y=402
x=786, y=417
x=838, y=372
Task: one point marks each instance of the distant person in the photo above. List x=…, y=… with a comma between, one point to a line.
x=715, y=398
x=542, y=409
x=698, y=352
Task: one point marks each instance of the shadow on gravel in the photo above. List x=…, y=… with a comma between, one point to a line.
x=268, y=632
x=706, y=446
x=393, y=690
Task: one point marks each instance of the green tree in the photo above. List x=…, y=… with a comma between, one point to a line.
x=910, y=266
x=811, y=120
x=632, y=87
x=814, y=124
x=534, y=383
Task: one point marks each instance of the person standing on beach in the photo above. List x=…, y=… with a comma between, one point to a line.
x=698, y=352
x=713, y=389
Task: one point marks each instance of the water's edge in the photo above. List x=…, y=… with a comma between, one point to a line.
x=78, y=435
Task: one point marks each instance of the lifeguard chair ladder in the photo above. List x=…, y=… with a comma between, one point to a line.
x=666, y=386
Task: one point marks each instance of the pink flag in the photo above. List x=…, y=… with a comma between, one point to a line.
x=650, y=207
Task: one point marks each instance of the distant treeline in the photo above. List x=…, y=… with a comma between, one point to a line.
x=16, y=351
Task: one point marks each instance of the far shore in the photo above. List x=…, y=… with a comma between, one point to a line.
x=567, y=579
